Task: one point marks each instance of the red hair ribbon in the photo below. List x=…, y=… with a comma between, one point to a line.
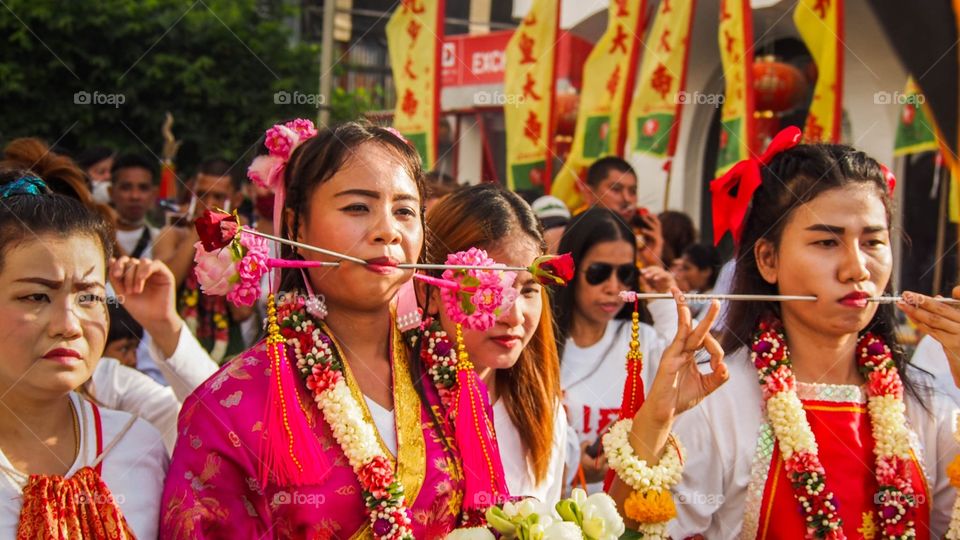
x=729, y=210
x=890, y=178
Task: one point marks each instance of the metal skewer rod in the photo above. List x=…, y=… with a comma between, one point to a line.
x=361, y=261
x=895, y=299
x=304, y=246
x=694, y=297
x=461, y=267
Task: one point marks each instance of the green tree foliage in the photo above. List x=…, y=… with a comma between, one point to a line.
x=103, y=72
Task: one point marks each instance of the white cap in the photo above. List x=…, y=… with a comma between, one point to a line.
x=551, y=211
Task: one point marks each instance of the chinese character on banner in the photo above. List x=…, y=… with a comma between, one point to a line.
x=532, y=127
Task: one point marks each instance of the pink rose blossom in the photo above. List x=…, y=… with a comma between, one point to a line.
x=216, y=270
x=281, y=141
x=303, y=127
x=244, y=295
x=376, y=476
x=482, y=296
x=252, y=267
x=267, y=171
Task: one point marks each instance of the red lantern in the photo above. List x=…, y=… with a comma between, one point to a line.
x=778, y=86
x=565, y=112
x=766, y=125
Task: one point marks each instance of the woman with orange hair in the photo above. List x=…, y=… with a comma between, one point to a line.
x=517, y=356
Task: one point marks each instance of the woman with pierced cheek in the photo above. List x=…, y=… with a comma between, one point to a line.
x=270, y=447
x=842, y=437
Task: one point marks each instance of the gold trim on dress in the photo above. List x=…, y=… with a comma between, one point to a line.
x=411, y=460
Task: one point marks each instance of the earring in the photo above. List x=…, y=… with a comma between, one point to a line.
x=316, y=304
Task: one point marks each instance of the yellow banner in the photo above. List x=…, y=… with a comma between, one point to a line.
x=529, y=86
x=608, y=76
x=660, y=91
x=736, y=54
x=821, y=27
x=414, y=38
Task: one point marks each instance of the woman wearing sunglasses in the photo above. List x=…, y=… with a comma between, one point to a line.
x=593, y=330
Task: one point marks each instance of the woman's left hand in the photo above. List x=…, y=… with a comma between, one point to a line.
x=146, y=288
x=939, y=320
x=656, y=279
x=652, y=250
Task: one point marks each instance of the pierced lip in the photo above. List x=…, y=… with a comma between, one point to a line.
x=856, y=295
x=60, y=353
x=383, y=261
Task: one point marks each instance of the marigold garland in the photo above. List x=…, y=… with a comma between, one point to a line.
x=651, y=504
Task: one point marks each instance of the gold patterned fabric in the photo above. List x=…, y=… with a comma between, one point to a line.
x=81, y=506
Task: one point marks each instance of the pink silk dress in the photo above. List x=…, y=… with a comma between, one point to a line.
x=212, y=489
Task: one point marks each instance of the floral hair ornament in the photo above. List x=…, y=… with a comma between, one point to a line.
x=267, y=171
x=890, y=178
x=281, y=140
x=25, y=185
x=730, y=211
x=396, y=133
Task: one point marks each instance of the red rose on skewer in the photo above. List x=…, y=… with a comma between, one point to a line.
x=216, y=229
x=553, y=269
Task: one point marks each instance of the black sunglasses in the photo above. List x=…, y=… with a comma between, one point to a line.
x=597, y=273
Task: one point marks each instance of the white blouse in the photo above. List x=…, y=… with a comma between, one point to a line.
x=592, y=378
x=133, y=470
x=520, y=478
x=729, y=445
x=385, y=422
x=119, y=387
x=930, y=357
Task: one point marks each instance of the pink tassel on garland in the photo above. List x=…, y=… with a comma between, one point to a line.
x=289, y=449
x=482, y=467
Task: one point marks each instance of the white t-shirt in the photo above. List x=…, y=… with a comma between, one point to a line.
x=133, y=470
x=930, y=357
x=592, y=377
x=519, y=476
x=128, y=240
x=718, y=495
x=119, y=387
